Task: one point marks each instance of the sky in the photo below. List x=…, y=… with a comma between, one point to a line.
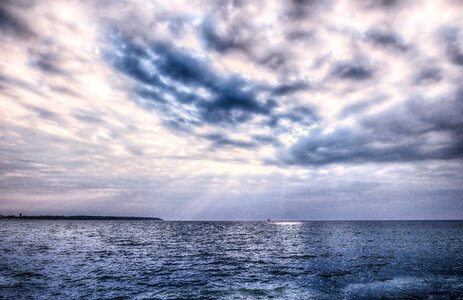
x=232, y=110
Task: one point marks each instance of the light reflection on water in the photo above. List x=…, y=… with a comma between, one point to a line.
x=286, y=223
x=231, y=260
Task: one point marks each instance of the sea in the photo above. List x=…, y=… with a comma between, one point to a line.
x=63, y=259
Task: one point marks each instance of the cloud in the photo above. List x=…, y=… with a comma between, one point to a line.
x=235, y=38
x=7, y=82
x=296, y=35
x=382, y=4
x=48, y=63
x=386, y=39
x=420, y=115
x=290, y=88
x=419, y=129
x=352, y=70
x=300, y=9
x=300, y=115
x=428, y=75
x=452, y=39
x=170, y=76
x=220, y=140
x=87, y=116
x=11, y=22
x=360, y=106
x=46, y=114
x=274, y=59
x=232, y=108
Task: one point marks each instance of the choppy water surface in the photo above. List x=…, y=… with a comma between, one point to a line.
x=231, y=260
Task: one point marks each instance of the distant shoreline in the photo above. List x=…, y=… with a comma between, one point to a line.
x=87, y=217
x=80, y=217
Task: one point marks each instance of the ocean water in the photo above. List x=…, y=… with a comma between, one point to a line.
x=230, y=260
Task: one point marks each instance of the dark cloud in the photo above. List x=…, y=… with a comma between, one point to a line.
x=177, y=24
x=428, y=75
x=234, y=37
x=220, y=140
x=290, y=88
x=407, y=132
x=6, y=81
x=87, y=116
x=179, y=124
x=418, y=116
x=303, y=115
x=300, y=115
x=235, y=101
x=45, y=113
x=11, y=22
x=385, y=3
x=341, y=145
x=154, y=95
x=381, y=4
x=386, y=39
x=266, y=139
x=172, y=79
x=296, y=35
x=300, y=9
x=352, y=70
x=179, y=65
x=64, y=90
x=453, y=40
x=274, y=59
x=224, y=8
x=360, y=106
x=48, y=63
x=233, y=29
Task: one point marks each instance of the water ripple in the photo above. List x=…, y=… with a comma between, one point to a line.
x=230, y=260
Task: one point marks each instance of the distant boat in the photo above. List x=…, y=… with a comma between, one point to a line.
x=268, y=220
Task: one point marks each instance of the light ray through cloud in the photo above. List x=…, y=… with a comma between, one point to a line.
x=231, y=109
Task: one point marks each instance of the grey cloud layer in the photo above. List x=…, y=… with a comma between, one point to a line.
x=180, y=104
x=419, y=129
x=171, y=75
x=11, y=21
x=187, y=92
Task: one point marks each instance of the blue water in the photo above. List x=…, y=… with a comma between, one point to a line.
x=230, y=260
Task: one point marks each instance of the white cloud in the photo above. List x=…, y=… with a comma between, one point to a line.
x=73, y=124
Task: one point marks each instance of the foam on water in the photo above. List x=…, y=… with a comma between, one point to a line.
x=407, y=287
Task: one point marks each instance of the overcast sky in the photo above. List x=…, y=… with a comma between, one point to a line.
x=232, y=109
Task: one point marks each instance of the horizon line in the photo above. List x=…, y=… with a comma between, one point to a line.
x=19, y=216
